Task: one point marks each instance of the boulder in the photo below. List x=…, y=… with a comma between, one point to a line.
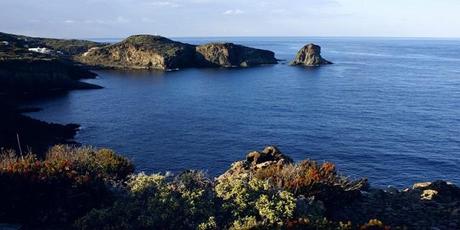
x=310, y=55
x=232, y=55
x=142, y=52
x=429, y=194
x=256, y=160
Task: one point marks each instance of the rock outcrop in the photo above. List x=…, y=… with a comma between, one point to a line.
x=434, y=205
x=310, y=55
x=255, y=160
x=232, y=55
x=155, y=52
x=142, y=52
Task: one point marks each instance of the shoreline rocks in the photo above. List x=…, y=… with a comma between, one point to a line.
x=310, y=55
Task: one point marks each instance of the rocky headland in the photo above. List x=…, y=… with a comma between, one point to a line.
x=32, y=68
x=310, y=55
x=156, y=52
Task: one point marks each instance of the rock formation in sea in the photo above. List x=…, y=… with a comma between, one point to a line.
x=155, y=52
x=310, y=55
x=233, y=55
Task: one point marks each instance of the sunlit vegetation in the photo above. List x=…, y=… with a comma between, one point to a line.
x=87, y=188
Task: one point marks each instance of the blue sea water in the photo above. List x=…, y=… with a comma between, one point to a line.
x=388, y=110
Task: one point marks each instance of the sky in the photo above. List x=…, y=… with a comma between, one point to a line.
x=203, y=18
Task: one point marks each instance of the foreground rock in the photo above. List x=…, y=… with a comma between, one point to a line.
x=232, y=55
x=155, y=52
x=310, y=55
x=270, y=156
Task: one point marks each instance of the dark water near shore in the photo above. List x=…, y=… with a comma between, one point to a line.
x=388, y=109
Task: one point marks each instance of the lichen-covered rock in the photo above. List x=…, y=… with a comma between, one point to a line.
x=232, y=55
x=310, y=55
x=142, y=52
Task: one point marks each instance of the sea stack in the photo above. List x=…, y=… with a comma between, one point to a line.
x=310, y=55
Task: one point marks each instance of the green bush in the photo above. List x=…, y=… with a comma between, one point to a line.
x=251, y=201
x=159, y=202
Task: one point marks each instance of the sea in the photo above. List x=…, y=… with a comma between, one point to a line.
x=388, y=109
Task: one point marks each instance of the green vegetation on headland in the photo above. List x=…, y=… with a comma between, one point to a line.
x=85, y=188
x=65, y=47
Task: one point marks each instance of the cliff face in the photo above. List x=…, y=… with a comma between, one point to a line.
x=155, y=52
x=232, y=55
x=310, y=55
x=142, y=52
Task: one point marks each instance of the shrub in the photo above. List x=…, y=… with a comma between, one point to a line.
x=159, y=202
x=309, y=178
x=56, y=190
x=255, y=202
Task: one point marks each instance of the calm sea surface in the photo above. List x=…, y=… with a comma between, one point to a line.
x=388, y=109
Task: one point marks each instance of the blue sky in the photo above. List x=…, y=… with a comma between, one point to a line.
x=179, y=18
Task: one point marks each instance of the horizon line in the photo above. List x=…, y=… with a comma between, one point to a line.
x=249, y=36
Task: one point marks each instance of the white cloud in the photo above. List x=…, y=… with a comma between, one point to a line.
x=69, y=21
x=165, y=4
x=233, y=12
